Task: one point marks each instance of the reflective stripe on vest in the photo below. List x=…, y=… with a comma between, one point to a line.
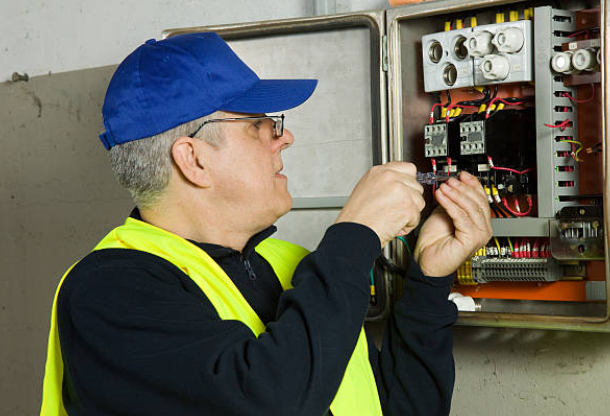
x=357, y=394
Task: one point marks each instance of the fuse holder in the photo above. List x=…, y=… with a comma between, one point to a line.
x=479, y=43
x=509, y=40
x=495, y=67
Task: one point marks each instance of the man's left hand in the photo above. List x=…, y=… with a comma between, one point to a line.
x=456, y=229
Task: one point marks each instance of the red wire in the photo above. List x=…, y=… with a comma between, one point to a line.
x=536, y=248
x=518, y=214
x=567, y=94
x=512, y=170
x=433, y=162
x=561, y=125
x=580, y=32
x=505, y=102
x=432, y=112
x=491, y=165
x=502, y=101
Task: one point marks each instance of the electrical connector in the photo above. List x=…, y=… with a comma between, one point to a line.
x=488, y=193
x=495, y=194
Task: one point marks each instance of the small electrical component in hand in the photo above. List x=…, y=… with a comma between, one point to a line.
x=431, y=178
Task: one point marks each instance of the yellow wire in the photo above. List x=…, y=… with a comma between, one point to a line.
x=498, y=244
x=580, y=146
x=510, y=244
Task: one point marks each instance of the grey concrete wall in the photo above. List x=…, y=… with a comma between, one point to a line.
x=57, y=199
x=506, y=372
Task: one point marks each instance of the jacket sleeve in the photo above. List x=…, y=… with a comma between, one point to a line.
x=141, y=340
x=415, y=369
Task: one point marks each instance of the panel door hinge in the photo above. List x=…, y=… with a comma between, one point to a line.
x=384, y=53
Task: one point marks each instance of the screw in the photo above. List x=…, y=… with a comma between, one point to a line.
x=18, y=77
x=582, y=211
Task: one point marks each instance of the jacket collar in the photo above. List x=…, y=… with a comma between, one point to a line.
x=218, y=251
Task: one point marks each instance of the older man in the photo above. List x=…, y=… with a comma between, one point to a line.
x=190, y=308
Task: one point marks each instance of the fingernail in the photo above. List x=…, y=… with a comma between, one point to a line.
x=452, y=181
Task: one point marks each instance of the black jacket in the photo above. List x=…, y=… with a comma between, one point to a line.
x=139, y=337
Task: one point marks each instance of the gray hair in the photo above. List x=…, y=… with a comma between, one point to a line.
x=144, y=166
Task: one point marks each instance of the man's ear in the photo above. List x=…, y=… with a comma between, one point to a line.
x=187, y=154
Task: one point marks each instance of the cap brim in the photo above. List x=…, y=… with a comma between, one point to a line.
x=272, y=95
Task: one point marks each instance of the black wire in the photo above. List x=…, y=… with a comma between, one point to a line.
x=448, y=98
x=495, y=92
x=508, y=213
x=480, y=101
x=495, y=211
x=391, y=267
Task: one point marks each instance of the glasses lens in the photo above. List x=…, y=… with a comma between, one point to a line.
x=279, y=126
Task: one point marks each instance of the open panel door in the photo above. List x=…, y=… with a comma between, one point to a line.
x=340, y=132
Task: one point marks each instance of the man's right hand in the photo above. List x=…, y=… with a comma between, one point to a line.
x=388, y=199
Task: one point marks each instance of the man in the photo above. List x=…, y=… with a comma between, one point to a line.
x=188, y=308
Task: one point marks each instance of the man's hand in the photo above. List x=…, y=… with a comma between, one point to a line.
x=456, y=229
x=388, y=199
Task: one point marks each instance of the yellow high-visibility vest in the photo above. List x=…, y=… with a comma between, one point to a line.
x=357, y=394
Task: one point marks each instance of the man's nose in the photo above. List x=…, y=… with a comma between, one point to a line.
x=285, y=140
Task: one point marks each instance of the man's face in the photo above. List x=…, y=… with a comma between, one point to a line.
x=245, y=172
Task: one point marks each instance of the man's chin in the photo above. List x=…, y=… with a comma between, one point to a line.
x=287, y=206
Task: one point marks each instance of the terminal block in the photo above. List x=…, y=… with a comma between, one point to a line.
x=485, y=270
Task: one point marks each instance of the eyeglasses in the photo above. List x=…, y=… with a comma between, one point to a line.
x=278, y=123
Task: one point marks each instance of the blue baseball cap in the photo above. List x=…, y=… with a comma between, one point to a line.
x=165, y=83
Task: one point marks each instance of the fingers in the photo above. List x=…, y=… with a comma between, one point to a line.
x=469, y=195
x=408, y=172
x=404, y=167
x=466, y=204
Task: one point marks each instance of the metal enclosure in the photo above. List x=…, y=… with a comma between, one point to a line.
x=408, y=109
x=370, y=66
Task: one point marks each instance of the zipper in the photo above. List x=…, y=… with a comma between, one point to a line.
x=248, y=268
